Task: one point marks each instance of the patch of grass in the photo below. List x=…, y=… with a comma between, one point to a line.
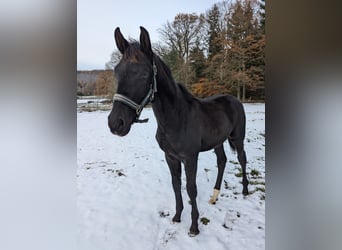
x=255, y=173
x=238, y=174
x=252, y=182
x=261, y=189
x=205, y=220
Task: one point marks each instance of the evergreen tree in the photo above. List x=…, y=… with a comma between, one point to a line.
x=242, y=31
x=198, y=62
x=214, y=31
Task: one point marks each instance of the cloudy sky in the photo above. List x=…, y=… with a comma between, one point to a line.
x=96, y=21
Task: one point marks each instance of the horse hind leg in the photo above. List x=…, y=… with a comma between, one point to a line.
x=238, y=146
x=221, y=164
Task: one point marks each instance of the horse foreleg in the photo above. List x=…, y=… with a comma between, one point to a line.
x=190, y=171
x=176, y=172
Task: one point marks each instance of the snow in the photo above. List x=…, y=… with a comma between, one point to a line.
x=125, y=196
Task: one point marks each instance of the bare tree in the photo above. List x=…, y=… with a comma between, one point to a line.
x=183, y=33
x=114, y=59
x=181, y=36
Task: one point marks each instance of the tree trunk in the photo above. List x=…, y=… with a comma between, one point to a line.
x=244, y=83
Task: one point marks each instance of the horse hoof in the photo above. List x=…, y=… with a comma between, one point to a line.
x=214, y=198
x=193, y=234
x=212, y=201
x=176, y=220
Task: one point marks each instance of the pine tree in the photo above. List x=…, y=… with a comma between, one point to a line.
x=198, y=62
x=214, y=31
x=241, y=31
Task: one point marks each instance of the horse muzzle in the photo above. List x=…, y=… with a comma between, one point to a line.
x=118, y=126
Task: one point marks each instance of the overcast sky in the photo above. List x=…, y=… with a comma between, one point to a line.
x=96, y=21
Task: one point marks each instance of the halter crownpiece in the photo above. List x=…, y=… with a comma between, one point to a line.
x=147, y=99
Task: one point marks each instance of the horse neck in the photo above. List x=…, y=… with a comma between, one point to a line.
x=168, y=98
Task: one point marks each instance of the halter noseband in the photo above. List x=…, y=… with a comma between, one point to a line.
x=148, y=98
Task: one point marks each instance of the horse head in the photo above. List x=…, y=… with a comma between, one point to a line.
x=136, y=82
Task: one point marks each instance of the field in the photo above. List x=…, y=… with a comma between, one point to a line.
x=125, y=196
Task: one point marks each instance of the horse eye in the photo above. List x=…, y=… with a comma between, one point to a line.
x=145, y=75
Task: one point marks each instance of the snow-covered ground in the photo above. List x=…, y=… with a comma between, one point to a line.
x=125, y=196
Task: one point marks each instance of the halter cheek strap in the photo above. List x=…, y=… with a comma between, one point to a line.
x=148, y=98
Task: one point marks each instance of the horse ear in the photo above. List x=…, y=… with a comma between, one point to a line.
x=121, y=42
x=145, y=42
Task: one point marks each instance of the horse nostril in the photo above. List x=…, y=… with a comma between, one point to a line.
x=120, y=123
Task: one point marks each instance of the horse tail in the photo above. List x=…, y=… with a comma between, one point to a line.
x=232, y=146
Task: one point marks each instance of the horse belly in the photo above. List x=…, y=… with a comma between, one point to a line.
x=214, y=135
x=212, y=143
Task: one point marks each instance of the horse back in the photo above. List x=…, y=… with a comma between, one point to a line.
x=222, y=117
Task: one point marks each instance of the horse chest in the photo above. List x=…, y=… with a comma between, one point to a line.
x=172, y=144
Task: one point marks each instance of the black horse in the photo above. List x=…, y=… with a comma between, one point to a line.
x=186, y=125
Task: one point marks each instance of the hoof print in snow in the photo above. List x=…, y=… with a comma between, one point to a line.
x=227, y=227
x=119, y=173
x=164, y=214
x=169, y=235
x=230, y=219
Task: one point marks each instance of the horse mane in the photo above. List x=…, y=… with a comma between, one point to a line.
x=186, y=93
x=133, y=54
x=188, y=96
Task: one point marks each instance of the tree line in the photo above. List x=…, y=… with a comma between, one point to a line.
x=221, y=51
x=95, y=82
